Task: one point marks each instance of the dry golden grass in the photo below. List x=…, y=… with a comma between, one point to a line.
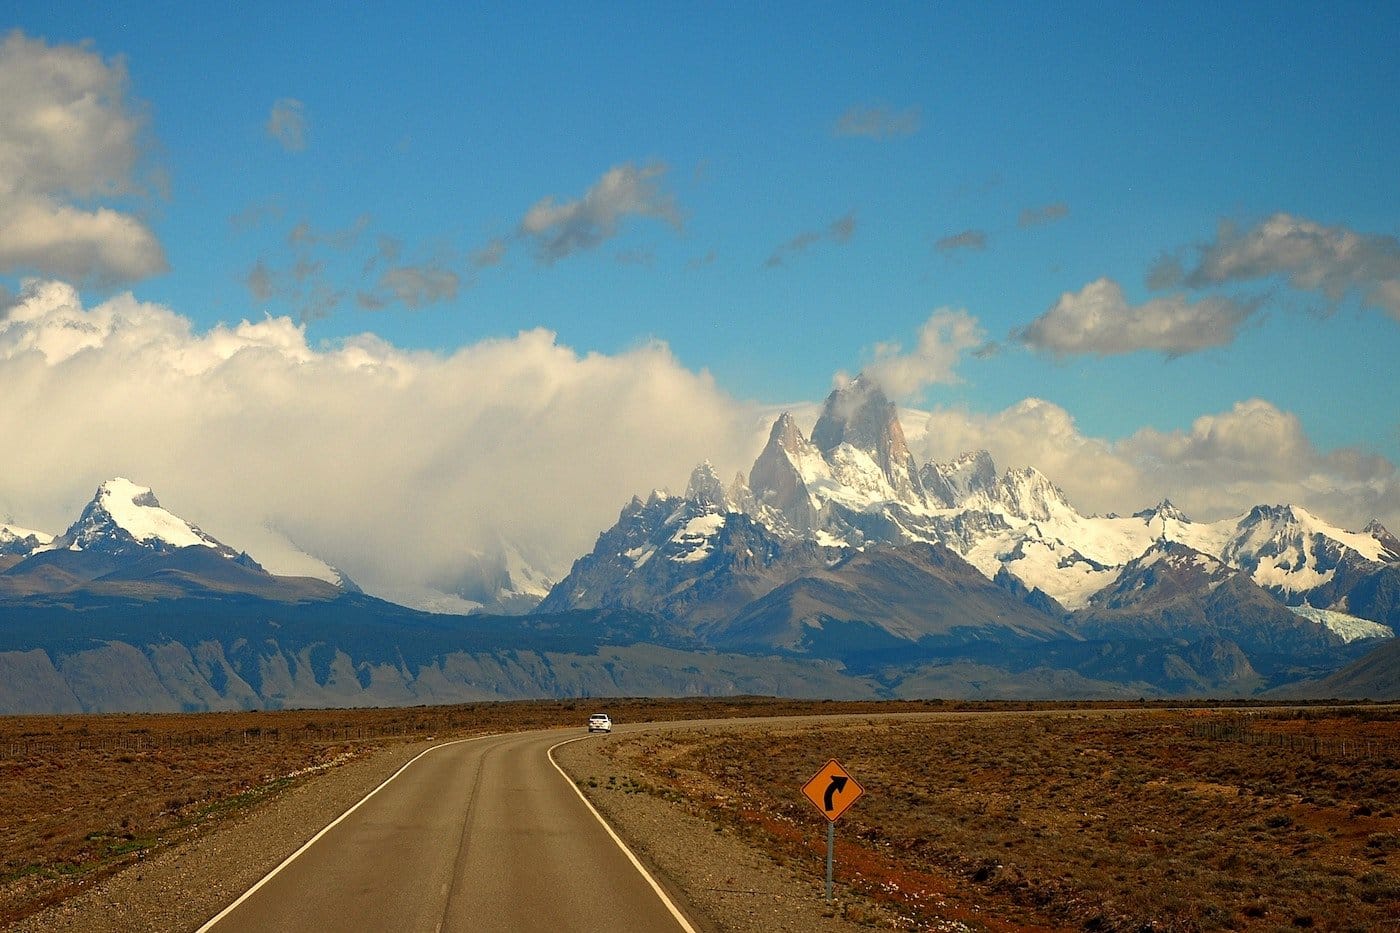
x=1134, y=821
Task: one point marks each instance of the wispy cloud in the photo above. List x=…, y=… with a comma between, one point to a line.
x=562, y=228
x=1310, y=256
x=492, y=254
x=421, y=285
x=1099, y=320
x=699, y=262
x=321, y=268
x=943, y=339
x=69, y=136
x=838, y=231
x=966, y=240
x=287, y=124
x=877, y=122
x=1039, y=216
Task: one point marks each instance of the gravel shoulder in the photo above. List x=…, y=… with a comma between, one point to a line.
x=720, y=882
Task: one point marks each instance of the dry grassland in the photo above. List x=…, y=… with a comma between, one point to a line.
x=1187, y=820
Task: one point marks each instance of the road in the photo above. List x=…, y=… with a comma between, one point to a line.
x=479, y=835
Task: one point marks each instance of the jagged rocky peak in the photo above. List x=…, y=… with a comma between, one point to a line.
x=860, y=415
x=782, y=473
x=1388, y=541
x=1162, y=519
x=741, y=498
x=1029, y=494
x=1163, y=510
x=123, y=516
x=951, y=484
x=706, y=487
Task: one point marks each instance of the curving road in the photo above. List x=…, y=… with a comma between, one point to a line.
x=477, y=835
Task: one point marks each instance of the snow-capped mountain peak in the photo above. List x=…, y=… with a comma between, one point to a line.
x=706, y=486
x=860, y=415
x=1389, y=543
x=1162, y=572
x=787, y=473
x=123, y=517
x=1027, y=494
x=21, y=542
x=951, y=484
x=1288, y=549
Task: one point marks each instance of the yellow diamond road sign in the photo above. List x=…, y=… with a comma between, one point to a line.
x=832, y=790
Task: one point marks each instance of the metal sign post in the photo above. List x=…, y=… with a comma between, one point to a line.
x=832, y=790
x=830, y=857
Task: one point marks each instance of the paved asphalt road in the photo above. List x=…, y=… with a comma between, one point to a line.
x=478, y=836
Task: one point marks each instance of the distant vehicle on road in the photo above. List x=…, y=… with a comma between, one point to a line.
x=599, y=722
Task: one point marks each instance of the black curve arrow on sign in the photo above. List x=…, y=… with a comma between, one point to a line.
x=838, y=784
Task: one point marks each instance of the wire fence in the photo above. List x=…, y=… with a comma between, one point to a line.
x=1246, y=730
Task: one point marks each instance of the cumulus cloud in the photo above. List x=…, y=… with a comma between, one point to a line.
x=401, y=467
x=943, y=339
x=877, y=122
x=287, y=124
x=1039, y=216
x=968, y=239
x=1223, y=464
x=838, y=231
x=1313, y=257
x=562, y=228
x=69, y=135
x=1098, y=319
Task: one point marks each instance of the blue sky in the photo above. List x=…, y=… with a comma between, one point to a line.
x=781, y=195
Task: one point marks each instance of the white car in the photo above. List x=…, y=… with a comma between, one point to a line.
x=599, y=722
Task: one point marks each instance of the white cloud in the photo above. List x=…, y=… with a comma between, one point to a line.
x=287, y=124
x=69, y=133
x=943, y=339
x=560, y=229
x=1313, y=257
x=1225, y=463
x=1098, y=319
x=397, y=466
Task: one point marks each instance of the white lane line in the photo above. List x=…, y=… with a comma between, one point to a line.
x=675, y=911
x=312, y=841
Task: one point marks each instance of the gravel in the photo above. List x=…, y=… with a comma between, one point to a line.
x=719, y=882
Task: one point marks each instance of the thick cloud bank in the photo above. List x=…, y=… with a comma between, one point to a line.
x=397, y=467
x=1252, y=454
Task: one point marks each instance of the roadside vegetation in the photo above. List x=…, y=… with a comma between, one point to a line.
x=1139, y=820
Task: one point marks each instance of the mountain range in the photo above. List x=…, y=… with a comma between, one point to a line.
x=839, y=566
